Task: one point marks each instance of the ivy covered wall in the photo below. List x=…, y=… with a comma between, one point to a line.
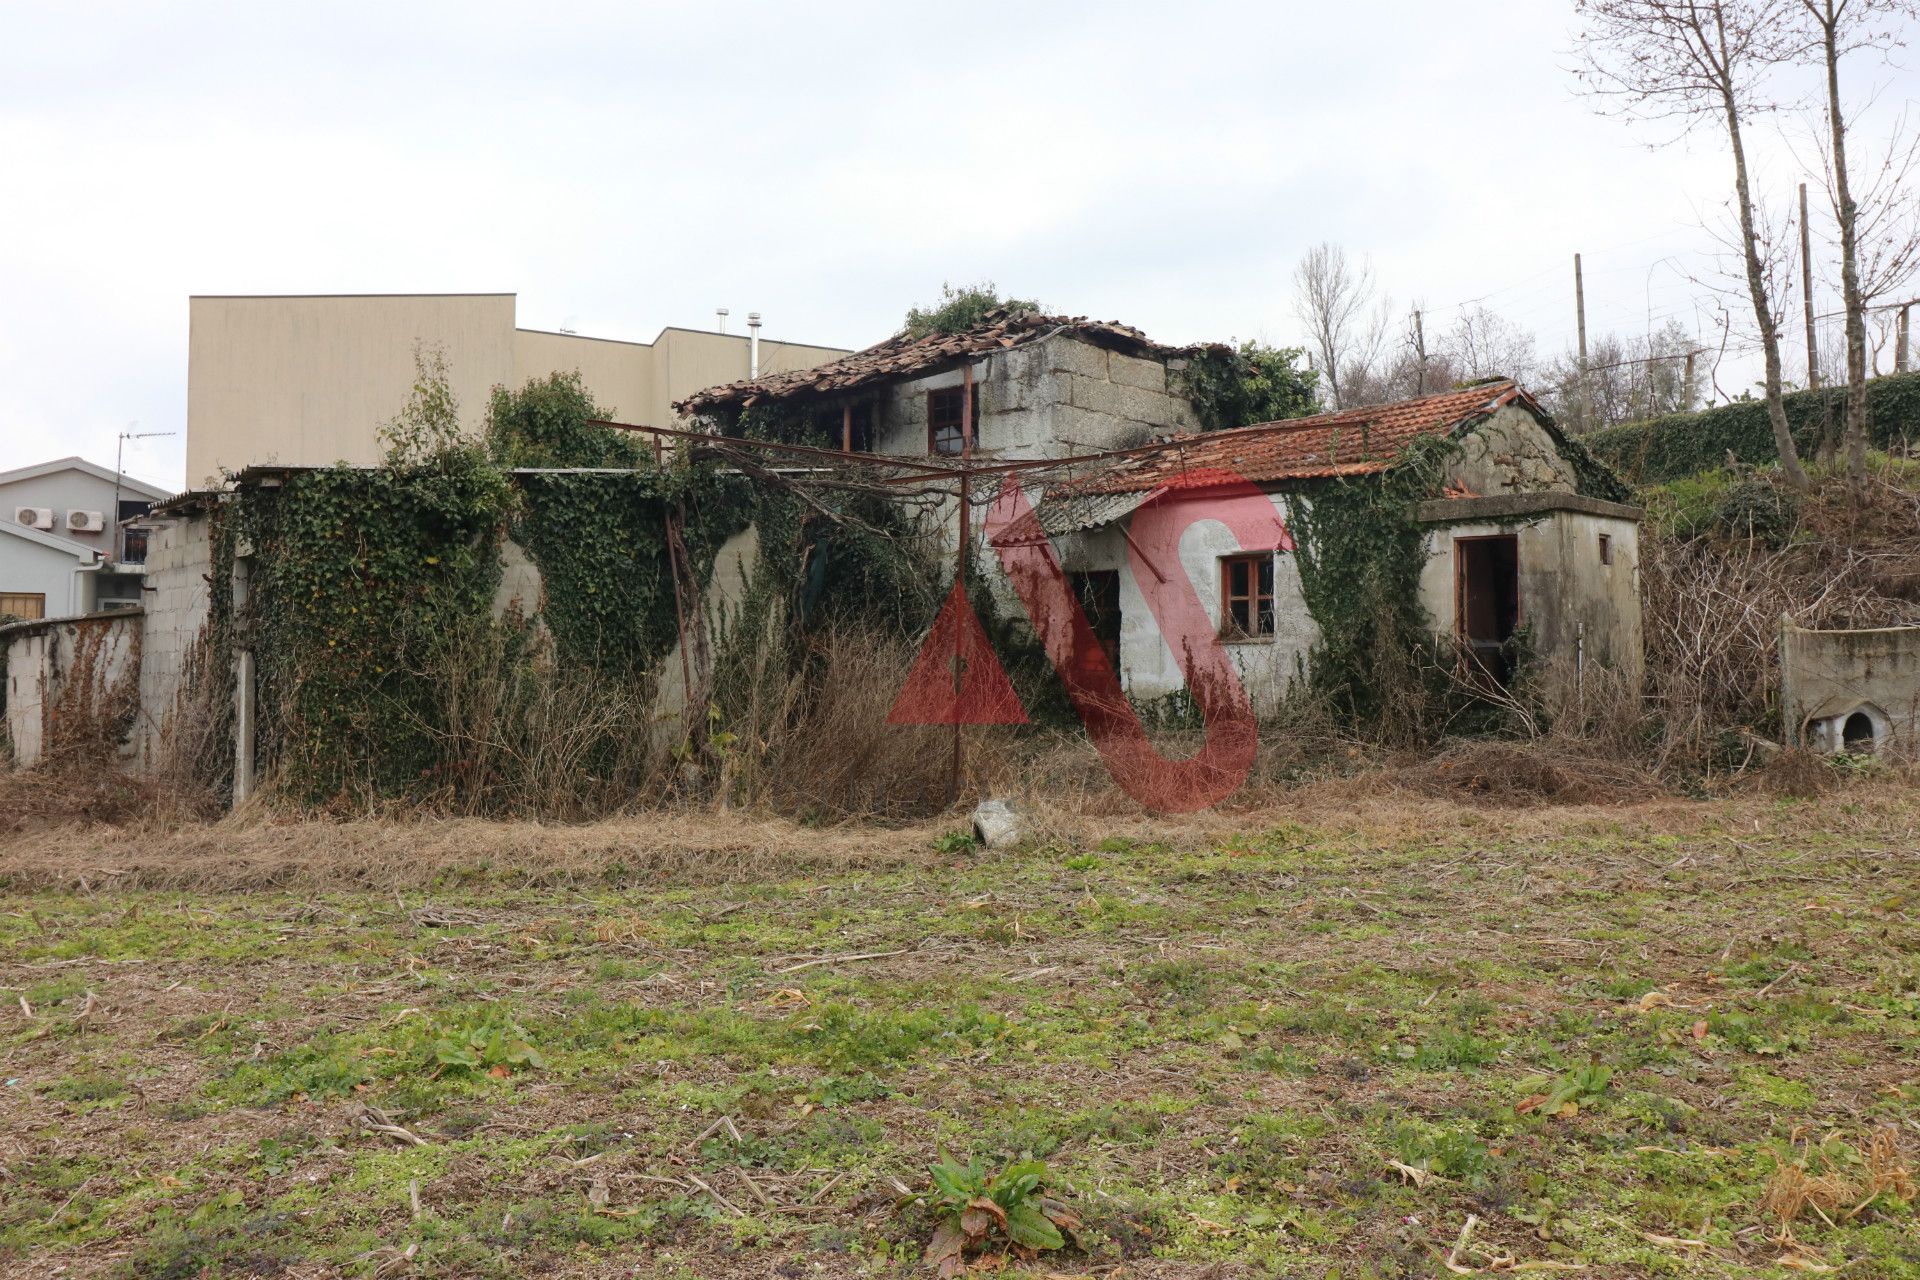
x=367, y=595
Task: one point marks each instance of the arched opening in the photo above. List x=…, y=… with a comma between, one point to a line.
x=1857, y=736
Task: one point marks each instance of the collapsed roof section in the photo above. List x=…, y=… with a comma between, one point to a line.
x=907, y=356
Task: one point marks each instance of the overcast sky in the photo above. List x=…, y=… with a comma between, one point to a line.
x=628, y=166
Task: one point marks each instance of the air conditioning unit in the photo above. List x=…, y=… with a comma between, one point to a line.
x=34, y=517
x=86, y=521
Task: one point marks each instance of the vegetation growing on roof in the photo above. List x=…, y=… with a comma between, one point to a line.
x=1237, y=387
x=961, y=308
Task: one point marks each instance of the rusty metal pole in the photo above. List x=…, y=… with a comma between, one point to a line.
x=959, y=758
x=960, y=564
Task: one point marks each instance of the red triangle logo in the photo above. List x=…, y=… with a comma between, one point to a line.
x=981, y=695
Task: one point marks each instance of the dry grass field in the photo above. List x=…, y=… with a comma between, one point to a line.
x=1369, y=1033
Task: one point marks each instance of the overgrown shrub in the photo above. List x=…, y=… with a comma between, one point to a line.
x=1256, y=383
x=1755, y=509
x=1682, y=444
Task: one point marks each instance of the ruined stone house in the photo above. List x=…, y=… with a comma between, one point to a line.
x=1525, y=541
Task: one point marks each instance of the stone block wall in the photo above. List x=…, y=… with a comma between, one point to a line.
x=1050, y=398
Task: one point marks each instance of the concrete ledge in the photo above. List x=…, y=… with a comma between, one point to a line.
x=1507, y=505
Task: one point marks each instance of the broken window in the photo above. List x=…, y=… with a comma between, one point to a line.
x=1606, y=548
x=945, y=434
x=1246, y=590
x=847, y=426
x=1487, y=600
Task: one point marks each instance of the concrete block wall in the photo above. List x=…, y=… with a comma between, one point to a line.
x=179, y=603
x=1827, y=677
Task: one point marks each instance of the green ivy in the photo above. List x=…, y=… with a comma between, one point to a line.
x=356, y=577
x=1682, y=444
x=549, y=423
x=1360, y=553
x=600, y=543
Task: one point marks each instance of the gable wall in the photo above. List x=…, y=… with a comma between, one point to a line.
x=1510, y=453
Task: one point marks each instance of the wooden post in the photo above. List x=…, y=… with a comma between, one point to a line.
x=966, y=411
x=1806, y=290
x=1686, y=384
x=846, y=427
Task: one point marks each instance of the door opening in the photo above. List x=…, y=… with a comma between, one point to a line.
x=1487, y=600
x=1099, y=595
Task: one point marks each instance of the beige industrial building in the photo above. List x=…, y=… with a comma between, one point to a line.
x=309, y=380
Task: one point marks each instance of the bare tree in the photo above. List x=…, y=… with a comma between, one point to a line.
x=1834, y=29
x=1332, y=295
x=1695, y=62
x=1483, y=344
x=1627, y=379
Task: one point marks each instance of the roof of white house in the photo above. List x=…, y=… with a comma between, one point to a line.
x=138, y=488
x=79, y=551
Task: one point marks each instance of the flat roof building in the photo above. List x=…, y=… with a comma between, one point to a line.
x=310, y=380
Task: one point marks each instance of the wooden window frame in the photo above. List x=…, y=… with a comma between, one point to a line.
x=969, y=431
x=1260, y=563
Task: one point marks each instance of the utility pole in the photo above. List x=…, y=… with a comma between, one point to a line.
x=1580, y=315
x=1420, y=348
x=1686, y=384
x=1806, y=289
x=1900, y=340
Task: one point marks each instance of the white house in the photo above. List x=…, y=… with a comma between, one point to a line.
x=70, y=548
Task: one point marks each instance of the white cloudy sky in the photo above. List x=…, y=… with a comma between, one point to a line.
x=625, y=166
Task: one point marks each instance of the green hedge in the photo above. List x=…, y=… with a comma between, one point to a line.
x=1682, y=444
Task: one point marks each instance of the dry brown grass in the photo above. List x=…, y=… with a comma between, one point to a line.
x=258, y=849
x=811, y=738
x=1879, y=1169
x=1528, y=773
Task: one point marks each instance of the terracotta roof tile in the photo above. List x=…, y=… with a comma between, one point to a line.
x=1347, y=442
x=905, y=356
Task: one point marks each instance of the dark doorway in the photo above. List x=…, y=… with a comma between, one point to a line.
x=1487, y=594
x=1099, y=595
